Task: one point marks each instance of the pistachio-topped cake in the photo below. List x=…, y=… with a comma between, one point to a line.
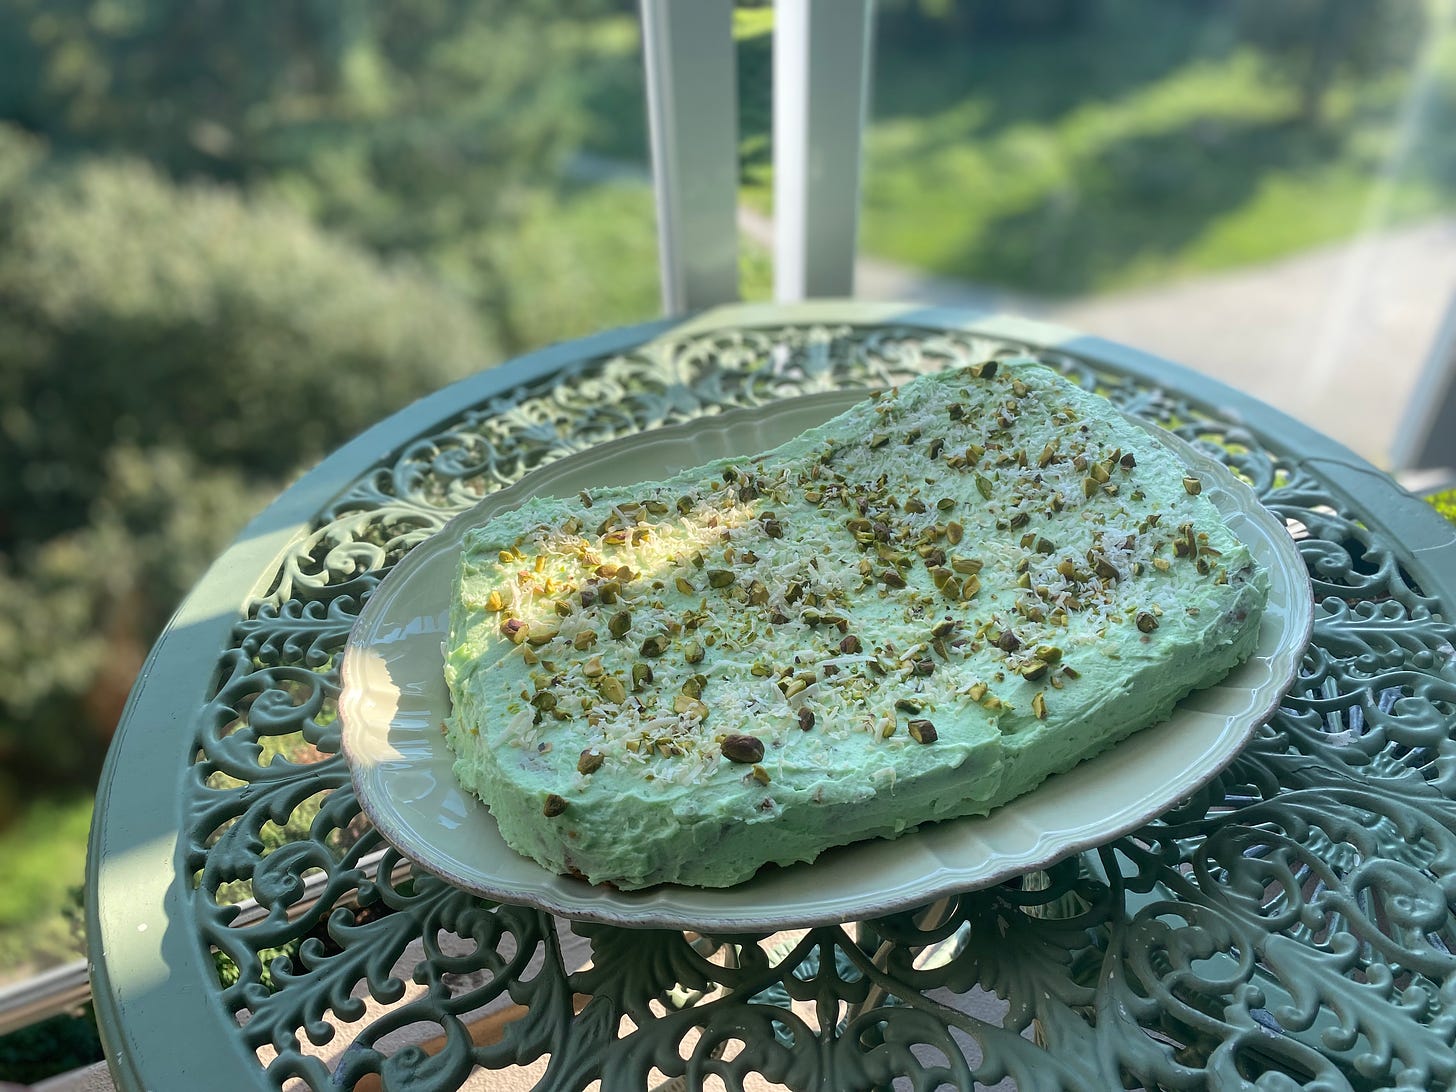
x=918, y=610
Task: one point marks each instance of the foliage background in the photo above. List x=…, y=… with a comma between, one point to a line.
x=233, y=235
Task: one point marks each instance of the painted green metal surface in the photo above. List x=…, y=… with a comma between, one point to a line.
x=1289, y=927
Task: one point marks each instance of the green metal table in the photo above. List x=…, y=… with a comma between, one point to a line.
x=1288, y=927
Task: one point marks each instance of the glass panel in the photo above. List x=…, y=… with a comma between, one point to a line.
x=231, y=237
x=1260, y=191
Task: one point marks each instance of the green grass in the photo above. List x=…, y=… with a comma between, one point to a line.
x=1152, y=144
x=1445, y=503
x=45, y=859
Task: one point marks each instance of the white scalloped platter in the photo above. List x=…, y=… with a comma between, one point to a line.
x=394, y=701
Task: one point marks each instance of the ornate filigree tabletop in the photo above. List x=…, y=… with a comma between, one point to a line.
x=1289, y=927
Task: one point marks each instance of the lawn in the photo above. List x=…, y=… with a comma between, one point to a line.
x=1148, y=141
x=45, y=859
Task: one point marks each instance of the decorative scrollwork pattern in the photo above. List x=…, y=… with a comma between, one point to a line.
x=1290, y=926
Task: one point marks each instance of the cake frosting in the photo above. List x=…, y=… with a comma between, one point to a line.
x=918, y=610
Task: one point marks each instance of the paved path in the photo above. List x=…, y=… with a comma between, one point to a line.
x=1335, y=336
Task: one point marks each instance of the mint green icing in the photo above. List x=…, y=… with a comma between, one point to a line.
x=1004, y=557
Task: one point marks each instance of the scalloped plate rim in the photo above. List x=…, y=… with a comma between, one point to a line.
x=1276, y=658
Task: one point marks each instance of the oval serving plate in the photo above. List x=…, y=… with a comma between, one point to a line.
x=394, y=701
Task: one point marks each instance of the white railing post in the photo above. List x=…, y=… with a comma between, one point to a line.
x=1426, y=438
x=821, y=66
x=692, y=116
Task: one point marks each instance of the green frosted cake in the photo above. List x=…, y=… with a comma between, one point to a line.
x=918, y=610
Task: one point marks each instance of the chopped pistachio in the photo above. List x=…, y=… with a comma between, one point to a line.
x=620, y=623
x=1193, y=485
x=641, y=676
x=553, y=806
x=514, y=630
x=655, y=645
x=1038, y=705
x=922, y=731
x=954, y=532
x=933, y=555
x=806, y=718
x=1146, y=621
x=590, y=761
x=612, y=690
x=742, y=748
x=983, y=486
x=693, y=652
x=685, y=703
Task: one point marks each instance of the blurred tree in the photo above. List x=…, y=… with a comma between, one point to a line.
x=1313, y=42
x=78, y=610
x=404, y=124
x=932, y=21
x=132, y=310
x=167, y=356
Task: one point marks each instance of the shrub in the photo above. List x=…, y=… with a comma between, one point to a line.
x=168, y=356
x=78, y=611
x=134, y=311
